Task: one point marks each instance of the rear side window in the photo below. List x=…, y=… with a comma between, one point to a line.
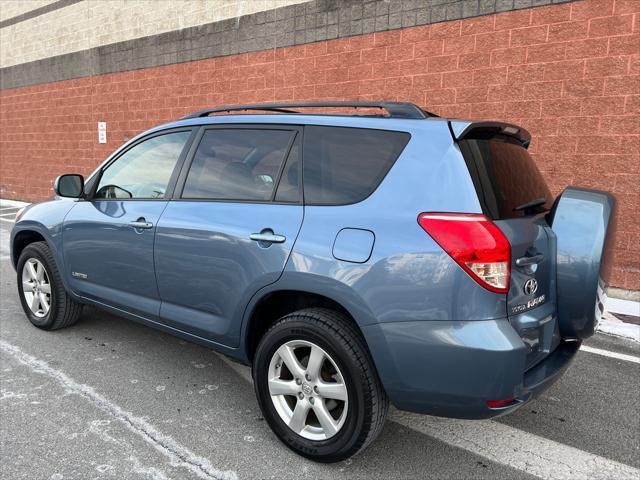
x=345, y=165
x=506, y=178
x=238, y=164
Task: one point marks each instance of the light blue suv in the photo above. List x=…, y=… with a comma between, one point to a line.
x=352, y=260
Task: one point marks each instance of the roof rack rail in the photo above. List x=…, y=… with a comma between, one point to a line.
x=395, y=109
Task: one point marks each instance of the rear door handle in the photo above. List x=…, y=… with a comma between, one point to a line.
x=527, y=261
x=141, y=224
x=267, y=237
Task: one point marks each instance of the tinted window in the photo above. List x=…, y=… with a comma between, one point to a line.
x=506, y=177
x=345, y=165
x=144, y=170
x=237, y=164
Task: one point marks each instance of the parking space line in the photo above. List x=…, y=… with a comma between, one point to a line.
x=503, y=444
x=178, y=454
x=6, y=220
x=608, y=353
x=516, y=448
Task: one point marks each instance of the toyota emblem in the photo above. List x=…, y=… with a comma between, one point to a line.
x=530, y=286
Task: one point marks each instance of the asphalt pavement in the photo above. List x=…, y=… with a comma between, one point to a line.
x=112, y=399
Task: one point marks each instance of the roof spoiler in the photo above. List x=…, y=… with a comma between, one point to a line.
x=461, y=129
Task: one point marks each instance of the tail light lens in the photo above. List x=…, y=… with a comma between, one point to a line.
x=475, y=243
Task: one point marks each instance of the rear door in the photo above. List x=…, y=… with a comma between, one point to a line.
x=230, y=228
x=514, y=195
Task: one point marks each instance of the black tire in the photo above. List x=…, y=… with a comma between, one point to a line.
x=368, y=403
x=63, y=311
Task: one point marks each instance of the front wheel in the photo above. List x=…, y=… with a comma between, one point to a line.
x=317, y=386
x=42, y=294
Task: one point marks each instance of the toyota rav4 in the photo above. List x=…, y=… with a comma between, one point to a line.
x=353, y=260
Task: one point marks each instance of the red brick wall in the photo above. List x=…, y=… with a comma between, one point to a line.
x=568, y=73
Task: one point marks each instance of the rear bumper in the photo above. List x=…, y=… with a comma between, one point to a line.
x=451, y=369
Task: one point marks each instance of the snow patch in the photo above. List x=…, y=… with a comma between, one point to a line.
x=625, y=307
x=12, y=203
x=612, y=326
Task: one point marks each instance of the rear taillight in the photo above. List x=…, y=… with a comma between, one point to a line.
x=475, y=243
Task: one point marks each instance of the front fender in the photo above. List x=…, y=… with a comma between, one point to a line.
x=46, y=220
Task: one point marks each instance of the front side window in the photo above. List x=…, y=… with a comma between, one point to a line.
x=144, y=171
x=238, y=164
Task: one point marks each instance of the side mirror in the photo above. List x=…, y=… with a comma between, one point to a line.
x=69, y=185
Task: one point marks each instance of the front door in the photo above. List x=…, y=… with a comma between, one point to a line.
x=231, y=230
x=108, y=239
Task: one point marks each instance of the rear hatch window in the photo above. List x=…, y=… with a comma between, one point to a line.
x=506, y=178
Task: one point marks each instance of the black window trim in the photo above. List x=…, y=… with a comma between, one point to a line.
x=168, y=194
x=186, y=166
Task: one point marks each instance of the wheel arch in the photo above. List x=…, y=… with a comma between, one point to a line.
x=28, y=232
x=21, y=240
x=278, y=302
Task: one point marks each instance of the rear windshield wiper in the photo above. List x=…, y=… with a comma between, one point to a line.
x=531, y=204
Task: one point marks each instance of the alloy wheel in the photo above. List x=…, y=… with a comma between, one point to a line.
x=36, y=287
x=308, y=390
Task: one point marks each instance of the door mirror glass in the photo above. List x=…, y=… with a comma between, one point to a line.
x=70, y=185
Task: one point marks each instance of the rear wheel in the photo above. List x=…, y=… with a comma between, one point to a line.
x=42, y=294
x=317, y=386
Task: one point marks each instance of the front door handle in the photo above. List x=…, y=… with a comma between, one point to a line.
x=141, y=224
x=267, y=236
x=528, y=261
